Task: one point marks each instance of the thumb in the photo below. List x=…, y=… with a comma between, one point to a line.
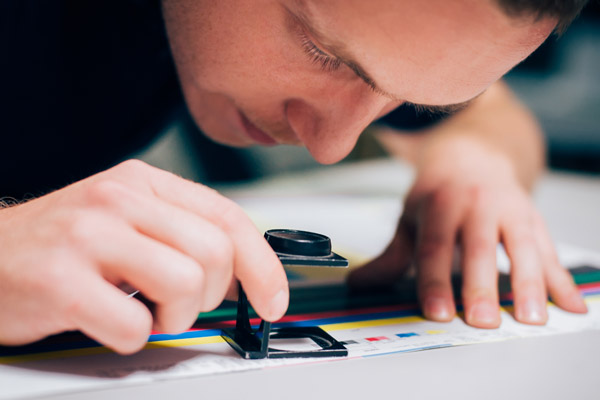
x=390, y=266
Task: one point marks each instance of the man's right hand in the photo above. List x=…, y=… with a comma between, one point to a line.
x=64, y=256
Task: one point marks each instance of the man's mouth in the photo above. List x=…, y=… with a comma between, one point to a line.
x=255, y=133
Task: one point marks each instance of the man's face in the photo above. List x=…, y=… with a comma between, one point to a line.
x=317, y=72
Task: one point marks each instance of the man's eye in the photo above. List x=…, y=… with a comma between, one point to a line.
x=318, y=56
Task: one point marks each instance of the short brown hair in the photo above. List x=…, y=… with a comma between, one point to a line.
x=565, y=11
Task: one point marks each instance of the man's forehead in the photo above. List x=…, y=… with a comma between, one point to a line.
x=430, y=51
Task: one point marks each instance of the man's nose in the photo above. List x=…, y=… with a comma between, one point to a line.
x=329, y=126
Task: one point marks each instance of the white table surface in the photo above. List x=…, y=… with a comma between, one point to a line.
x=552, y=367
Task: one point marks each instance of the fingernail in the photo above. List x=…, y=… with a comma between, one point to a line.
x=437, y=309
x=279, y=305
x=533, y=312
x=484, y=313
x=577, y=299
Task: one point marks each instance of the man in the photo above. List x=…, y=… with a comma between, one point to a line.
x=311, y=73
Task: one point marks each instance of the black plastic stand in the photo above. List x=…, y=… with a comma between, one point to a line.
x=293, y=247
x=254, y=344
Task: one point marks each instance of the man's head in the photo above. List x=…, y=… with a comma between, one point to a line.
x=317, y=72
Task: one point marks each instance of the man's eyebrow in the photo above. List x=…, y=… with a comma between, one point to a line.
x=339, y=51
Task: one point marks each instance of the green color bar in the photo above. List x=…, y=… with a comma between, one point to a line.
x=340, y=297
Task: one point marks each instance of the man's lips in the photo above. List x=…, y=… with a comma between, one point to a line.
x=256, y=134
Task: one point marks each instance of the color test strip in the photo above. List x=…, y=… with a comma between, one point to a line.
x=343, y=321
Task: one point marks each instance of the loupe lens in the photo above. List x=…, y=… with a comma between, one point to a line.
x=301, y=243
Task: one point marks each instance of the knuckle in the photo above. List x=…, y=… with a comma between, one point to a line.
x=431, y=245
x=479, y=196
x=442, y=200
x=81, y=230
x=71, y=302
x=523, y=235
x=230, y=213
x=133, y=166
x=190, y=281
x=107, y=192
x=475, y=192
x=480, y=246
x=221, y=251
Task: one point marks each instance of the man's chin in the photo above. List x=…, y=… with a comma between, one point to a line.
x=228, y=141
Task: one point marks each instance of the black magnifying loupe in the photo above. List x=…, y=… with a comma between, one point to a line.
x=294, y=248
x=303, y=248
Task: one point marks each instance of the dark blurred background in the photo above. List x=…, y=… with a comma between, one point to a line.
x=560, y=82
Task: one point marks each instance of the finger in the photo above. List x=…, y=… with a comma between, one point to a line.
x=255, y=264
x=389, y=267
x=109, y=316
x=480, y=275
x=527, y=275
x=172, y=280
x=178, y=228
x=561, y=286
x=436, y=237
